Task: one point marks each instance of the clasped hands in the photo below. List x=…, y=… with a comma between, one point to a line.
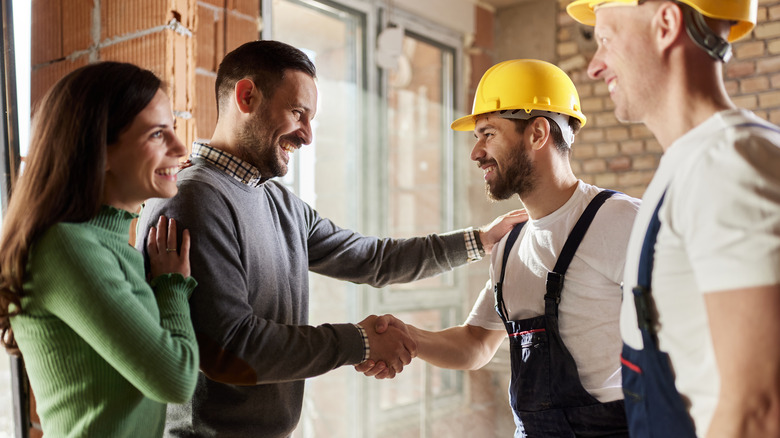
x=390, y=341
x=391, y=346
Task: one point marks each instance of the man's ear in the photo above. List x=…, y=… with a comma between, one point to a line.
x=538, y=132
x=246, y=95
x=668, y=25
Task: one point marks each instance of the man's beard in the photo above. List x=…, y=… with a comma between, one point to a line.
x=256, y=146
x=519, y=178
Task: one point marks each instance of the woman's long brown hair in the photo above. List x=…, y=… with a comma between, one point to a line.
x=62, y=181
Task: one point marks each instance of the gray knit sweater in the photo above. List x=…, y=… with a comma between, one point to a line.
x=252, y=248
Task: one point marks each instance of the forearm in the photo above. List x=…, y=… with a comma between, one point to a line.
x=463, y=347
x=263, y=351
x=347, y=255
x=745, y=328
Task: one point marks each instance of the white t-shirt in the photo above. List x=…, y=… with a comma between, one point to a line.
x=590, y=301
x=720, y=230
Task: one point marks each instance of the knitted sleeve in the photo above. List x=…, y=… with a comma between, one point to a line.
x=101, y=294
x=347, y=255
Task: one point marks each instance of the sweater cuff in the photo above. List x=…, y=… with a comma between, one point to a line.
x=174, y=281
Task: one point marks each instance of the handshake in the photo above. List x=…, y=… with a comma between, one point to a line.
x=391, y=346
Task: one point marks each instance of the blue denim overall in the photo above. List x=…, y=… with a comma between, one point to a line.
x=653, y=406
x=545, y=392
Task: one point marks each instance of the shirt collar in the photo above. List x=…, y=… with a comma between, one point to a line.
x=233, y=166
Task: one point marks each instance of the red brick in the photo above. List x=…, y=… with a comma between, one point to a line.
x=148, y=51
x=617, y=134
x=581, y=151
x=645, y=162
x=769, y=100
x=480, y=63
x=774, y=117
x=180, y=66
x=751, y=49
x=754, y=84
x=618, y=164
x=606, y=180
x=605, y=120
x=210, y=24
x=240, y=30
x=634, y=178
x=633, y=147
x=584, y=88
x=774, y=13
x=767, y=30
x=592, y=104
x=609, y=149
x=483, y=28
x=773, y=47
x=46, y=36
x=740, y=69
x=121, y=18
x=594, y=165
x=768, y=65
x=591, y=135
x=205, y=105
x=747, y=101
x=250, y=8
x=77, y=26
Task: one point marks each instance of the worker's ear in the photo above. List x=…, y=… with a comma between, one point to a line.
x=538, y=133
x=667, y=25
x=246, y=95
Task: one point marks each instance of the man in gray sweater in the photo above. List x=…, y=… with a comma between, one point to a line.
x=253, y=243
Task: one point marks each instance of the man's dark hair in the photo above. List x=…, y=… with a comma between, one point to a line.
x=264, y=62
x=555, y=132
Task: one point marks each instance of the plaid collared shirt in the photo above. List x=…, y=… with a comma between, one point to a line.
x=237, y=168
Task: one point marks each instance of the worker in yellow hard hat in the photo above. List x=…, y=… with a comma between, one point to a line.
x=701, y=306
x=554, y=284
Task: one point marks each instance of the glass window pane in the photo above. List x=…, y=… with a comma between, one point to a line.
x=325, y=175
x=419, y=172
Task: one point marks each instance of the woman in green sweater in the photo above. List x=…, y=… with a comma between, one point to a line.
x=104, y=350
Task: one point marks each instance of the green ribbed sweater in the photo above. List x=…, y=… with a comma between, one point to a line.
x=104, y=351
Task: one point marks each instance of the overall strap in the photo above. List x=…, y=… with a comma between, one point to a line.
x=641, y=292
x=555, y=278
x=497, y=289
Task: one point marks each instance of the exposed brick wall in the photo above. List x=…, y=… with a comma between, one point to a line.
x=215, y=36
x=155, y=34
x=622, y=156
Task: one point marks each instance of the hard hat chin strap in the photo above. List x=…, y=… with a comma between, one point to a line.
x=703, y=35
x=562, y=120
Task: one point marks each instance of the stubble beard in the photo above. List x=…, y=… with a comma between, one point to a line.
x=257, y=147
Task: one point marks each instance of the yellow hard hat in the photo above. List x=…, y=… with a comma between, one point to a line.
x=523, y=84
x=744, y=12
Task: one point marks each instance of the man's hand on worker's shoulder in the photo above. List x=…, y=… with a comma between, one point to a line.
x=492, y=233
